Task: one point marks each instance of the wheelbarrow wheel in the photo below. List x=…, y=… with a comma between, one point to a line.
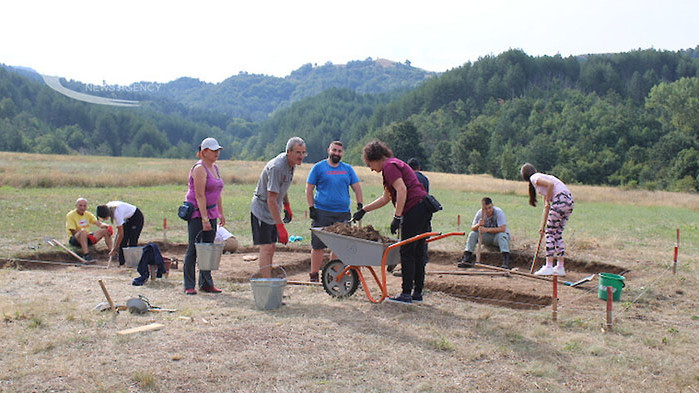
x=343, y=288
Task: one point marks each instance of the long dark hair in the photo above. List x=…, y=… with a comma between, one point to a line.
x=376, y=150
x=527, y=171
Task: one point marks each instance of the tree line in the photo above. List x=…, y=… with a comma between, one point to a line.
x=629, y=119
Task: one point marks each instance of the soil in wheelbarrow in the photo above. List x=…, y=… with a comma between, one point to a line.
x=367, y=232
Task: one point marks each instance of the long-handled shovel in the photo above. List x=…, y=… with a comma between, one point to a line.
x=55, y=242
x=538, y=246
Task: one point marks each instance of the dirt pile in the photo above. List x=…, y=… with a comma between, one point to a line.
x=367, y=232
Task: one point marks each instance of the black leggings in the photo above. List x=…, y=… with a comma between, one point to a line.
x=416, y=221
x=132, y=231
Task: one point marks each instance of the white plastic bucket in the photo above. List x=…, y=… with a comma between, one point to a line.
x=132, y=255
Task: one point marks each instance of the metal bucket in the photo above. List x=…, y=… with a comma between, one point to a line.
x=268, y=292
x=132, y=255
x=208, y=254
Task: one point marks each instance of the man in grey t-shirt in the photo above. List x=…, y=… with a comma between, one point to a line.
x=269, y=198
x=493, y=227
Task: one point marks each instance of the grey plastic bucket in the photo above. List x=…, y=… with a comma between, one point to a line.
x=132, y=255
x=268, y=292
x=209, y=255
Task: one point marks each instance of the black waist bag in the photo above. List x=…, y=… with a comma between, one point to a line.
x=432, y=204
x=185, y=211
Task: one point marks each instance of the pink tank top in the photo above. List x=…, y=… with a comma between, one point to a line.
x=212, y=192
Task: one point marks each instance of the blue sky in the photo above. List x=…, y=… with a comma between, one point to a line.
x=130, y=41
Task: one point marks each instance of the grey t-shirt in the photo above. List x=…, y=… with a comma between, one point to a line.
x=498, y=218
x=275, y=177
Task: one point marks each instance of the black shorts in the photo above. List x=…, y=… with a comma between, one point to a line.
x=75, y=243
x=263, y=233
x=326, y=218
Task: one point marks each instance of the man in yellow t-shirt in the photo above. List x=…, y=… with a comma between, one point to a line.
x=78, y=223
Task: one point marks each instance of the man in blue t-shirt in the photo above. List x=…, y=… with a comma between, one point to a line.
x=331, y=180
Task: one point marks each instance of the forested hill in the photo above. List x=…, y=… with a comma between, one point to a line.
x=627, y=119
x=253, y=97
x=175, y=116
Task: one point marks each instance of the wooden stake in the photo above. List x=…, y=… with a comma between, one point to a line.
x=677, y=247
x=609, y=308
x=106, y=294
x=554, y=304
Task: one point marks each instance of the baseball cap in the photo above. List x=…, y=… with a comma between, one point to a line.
x=211, y=144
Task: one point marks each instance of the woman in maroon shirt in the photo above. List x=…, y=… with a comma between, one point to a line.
x=411, y=215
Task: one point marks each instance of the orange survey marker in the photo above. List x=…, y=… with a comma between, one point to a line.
x=341, y=277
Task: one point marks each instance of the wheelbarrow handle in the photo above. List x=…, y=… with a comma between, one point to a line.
x=442, y=236
x=410, y=240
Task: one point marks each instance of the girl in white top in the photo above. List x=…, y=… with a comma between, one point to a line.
x=129, y=222
x=557, y=209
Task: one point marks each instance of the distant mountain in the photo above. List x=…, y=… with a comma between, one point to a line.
x=254, y=97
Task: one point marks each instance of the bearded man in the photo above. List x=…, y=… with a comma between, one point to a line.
x=331, y=180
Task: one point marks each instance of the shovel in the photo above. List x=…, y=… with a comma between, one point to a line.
x=581, y=281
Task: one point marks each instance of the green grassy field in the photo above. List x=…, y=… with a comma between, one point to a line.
x=30, y=214
x=52, y=340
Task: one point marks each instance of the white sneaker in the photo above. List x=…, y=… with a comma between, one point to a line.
x=544, y=271
x=559, y=271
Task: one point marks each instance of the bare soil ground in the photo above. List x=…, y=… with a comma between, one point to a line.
x=472, y=333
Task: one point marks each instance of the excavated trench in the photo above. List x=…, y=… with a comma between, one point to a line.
x=483, y=286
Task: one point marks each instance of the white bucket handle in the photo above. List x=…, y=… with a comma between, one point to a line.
x=271, y=265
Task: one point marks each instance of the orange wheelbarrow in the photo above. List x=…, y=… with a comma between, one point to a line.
x=341, y=277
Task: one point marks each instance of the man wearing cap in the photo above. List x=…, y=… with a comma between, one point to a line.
x=331, y=180
x=269, y=198
x=78, y=222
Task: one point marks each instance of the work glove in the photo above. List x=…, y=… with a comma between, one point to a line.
x=313, y=213
x=396, y=223
x=283, y=234
x=358, y=215
x=288, y=214
x=360, y=205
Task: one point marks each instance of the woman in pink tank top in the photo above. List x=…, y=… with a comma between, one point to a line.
x=205, y=186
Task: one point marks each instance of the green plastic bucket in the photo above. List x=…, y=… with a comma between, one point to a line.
x=615, y=281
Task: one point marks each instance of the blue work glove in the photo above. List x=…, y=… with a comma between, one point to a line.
x=396, y=223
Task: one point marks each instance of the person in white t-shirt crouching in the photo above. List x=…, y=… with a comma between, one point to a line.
x=129, y=222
